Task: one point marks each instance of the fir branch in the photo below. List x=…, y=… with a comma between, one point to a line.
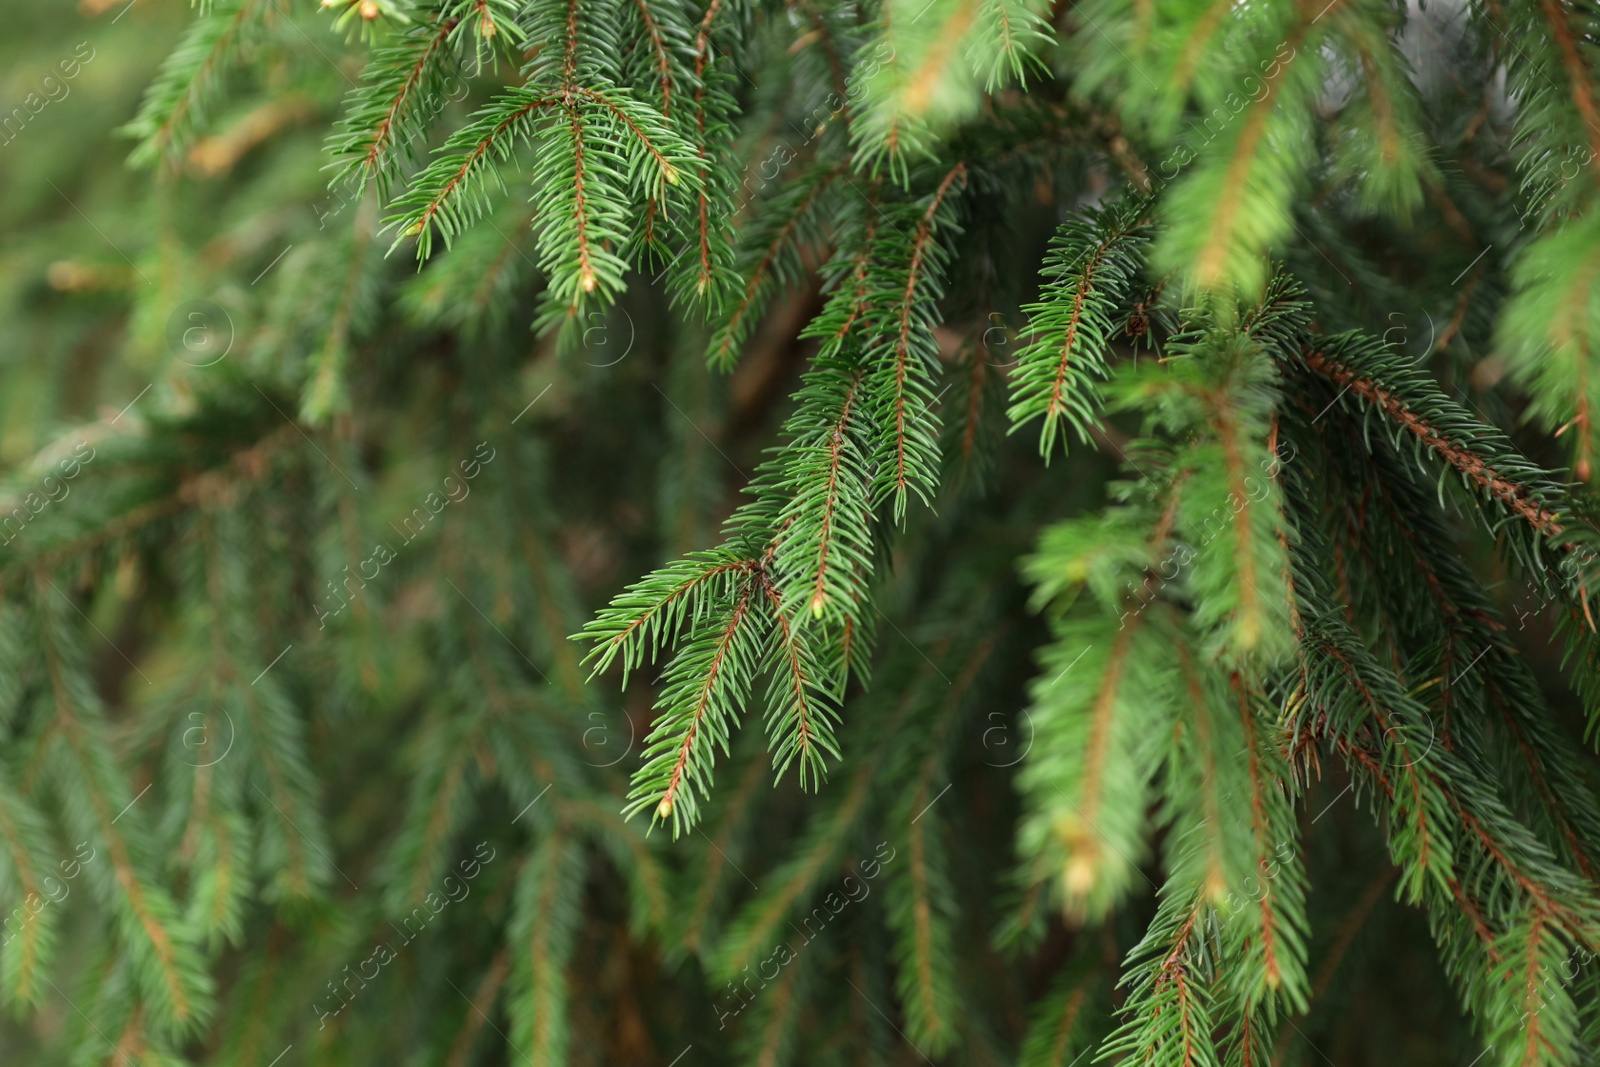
x=707, y=682
x=927, y=978
x=779, y=260
x=644, y=617
x=543, y=936
x=449, y=194
x=402, y=93
x=1236, y=205
x=658, y=51
x=825, y=554
x=24, y=833
x=1579, y=79
x=1089, y=272
x=773, y=1043
x=166, y=967
x=615, y=107
x=1169, y=1010
x=932, y=66
x=175, y=105
x=1551, y=338
x=752, y=930
x=900, y=356
x=709, y=274
x=922, y=904
x=1103, y=696
x=1422, y=847
x=1057, y=1022
x=1517, y=498
x=799, y=720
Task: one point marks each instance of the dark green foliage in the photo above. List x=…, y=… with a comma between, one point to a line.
x=1254, y=724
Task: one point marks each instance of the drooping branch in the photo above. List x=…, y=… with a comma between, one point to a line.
x=1512, y=495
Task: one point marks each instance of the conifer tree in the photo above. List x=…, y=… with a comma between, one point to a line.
x=716, y=531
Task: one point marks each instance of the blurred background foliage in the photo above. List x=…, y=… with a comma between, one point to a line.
x=270, y=786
